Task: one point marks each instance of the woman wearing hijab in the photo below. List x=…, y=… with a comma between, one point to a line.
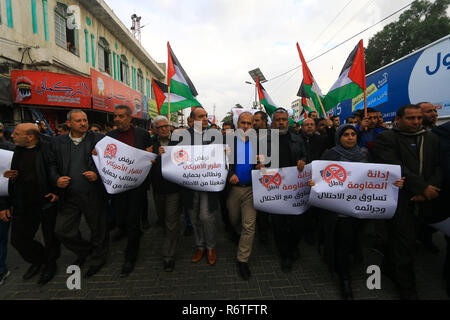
x=340, y=232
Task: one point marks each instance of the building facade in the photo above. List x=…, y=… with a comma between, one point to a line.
x=63, y=49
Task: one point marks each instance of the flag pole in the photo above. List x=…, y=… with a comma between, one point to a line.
x=365, y=103
x=318, y=98
x=168, y=103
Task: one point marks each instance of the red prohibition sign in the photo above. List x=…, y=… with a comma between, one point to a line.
x=111, y=150
x=334, y=171
x=181, y=156
x=268, y=180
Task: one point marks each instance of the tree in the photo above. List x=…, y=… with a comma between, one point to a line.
x=229, y=116
x=422, y=24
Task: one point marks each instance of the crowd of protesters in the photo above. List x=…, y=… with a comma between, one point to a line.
x=53, y=182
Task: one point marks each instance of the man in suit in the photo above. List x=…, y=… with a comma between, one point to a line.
x=72, y=170
x=33, y=202
x=416, y=150
x=129, y=205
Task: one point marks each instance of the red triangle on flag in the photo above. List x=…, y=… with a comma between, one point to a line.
x=170, y=65
x=358, y=70
x=160, y=97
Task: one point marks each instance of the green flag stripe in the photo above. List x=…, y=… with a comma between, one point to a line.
x=349, y=91
x=180, y=89
x=176, y=106
x=270, y=109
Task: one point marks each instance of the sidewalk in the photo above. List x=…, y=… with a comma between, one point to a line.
x=309, y=279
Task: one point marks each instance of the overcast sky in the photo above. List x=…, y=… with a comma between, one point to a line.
x=218, y=41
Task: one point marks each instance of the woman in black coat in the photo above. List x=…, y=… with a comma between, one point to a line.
x=340, y=232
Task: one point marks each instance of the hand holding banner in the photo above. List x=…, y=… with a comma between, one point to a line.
x=281, y=191
x=5, y=164
x=120, y=166
x=196, y=167
x=361, y=190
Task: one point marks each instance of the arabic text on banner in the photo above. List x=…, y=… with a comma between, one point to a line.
x=360, y=190
x=120, y=166
x=200, y=168
x=281, y=191
x=5, y=164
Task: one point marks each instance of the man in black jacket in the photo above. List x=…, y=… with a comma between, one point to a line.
x=417, y=152
x=166, y=194
x=73, y=171
x=128, y=206
x=287, y=229
x=33, y=201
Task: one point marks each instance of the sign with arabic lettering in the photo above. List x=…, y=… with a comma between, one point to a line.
x=361, y=190
x=52, y=89
x=196, y=167
x=120, y=166
x=108, y=93
x=281, y=191
x=5, y=164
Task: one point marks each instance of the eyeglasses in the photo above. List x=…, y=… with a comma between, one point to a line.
x=163, y=126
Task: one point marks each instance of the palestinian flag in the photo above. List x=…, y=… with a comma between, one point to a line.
x=308, y=87
x=305, y=110
x=182, y=90
x=352, y=80
x=265, y=99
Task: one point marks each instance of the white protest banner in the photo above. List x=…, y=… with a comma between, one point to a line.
x=281, y=191
x=361, y=190
x=196, y=167
x=5, y=165
x=120, y=166
x=443, y=226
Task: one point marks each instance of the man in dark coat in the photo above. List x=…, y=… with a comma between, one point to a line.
x=166, y=194
x=128, y=205
x=441, y=212
x=417, y=152
x=33, y=202
x=81, y=192
x=287, y=229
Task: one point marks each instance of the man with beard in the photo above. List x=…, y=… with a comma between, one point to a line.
x=287, y=229
x=416, y=150
x=128, y=206
x=430, y=115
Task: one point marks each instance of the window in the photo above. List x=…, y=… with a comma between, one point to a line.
x=104, y=56
x=140, y=81
x=124, y=70
x=65, y=37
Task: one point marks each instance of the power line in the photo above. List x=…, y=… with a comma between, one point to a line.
x=345, y=41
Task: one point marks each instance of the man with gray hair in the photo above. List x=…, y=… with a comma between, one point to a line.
x=166, y=194
x=73, y=171
x=129, y=206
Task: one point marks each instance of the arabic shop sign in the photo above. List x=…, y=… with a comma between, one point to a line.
x=360, y=190
x=108, y=93
x=51, y=89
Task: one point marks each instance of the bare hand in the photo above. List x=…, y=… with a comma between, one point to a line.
x=63, y=182
x=234, y=179
x=161, y=150
x=418, y=198
x=227, y=150
x=311, y=183
x=364, y=124
x=431, y=192
x=260, y=166
x=11, y=174
x=53, y=197
x=5, y=215
x=90, y=175
x=301, y=165
x=94, y=152
x=400, y=183
x=329, y=123
x=149, y=149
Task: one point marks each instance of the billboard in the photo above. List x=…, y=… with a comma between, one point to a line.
x=108, y=93
x=421, y=76
x=51, y=89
